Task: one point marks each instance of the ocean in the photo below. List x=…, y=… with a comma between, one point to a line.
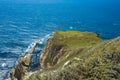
x=22, y=23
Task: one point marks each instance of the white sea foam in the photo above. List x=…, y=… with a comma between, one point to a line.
x=32, y=45
x=7, y=63
x=4, y=65
x=71, y=27
x=40, y=41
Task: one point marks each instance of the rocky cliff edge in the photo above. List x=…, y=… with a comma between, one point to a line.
x=74, y=55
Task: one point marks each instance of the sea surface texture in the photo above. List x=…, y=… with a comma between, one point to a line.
x=22, y=24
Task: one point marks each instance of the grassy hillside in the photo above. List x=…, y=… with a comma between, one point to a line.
x=64, y=45
x=98, y=59
x=74, y=55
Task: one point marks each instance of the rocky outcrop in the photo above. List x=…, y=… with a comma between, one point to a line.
x=52, y=52
x=22, y=67
x=58, y=47
x=74, y=55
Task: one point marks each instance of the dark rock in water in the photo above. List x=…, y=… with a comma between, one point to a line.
x=7, y=75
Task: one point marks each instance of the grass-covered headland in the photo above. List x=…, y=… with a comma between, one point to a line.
x=74, y=55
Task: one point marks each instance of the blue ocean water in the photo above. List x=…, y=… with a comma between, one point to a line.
x=22, y=24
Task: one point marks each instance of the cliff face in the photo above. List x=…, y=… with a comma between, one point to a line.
x=21, y=69
x=63, y=45
x=74, y=55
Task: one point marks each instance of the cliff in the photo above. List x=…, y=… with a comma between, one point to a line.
x=64, y=45
x=74, y=55
x=22, y=67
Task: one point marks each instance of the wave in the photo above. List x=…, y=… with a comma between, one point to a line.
x=14, y=26
x=12, y=51
x=41, y=42
x=7, y=63
x=29, y=23
x=9, y=59
x=8, y=55
x=12, y=22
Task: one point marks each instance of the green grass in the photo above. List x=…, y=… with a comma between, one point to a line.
x=100, y=60
x=77, y=38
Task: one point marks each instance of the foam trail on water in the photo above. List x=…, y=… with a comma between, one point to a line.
x=4, y=65
x=44, y=39
x=37, y=46
x=40, y=41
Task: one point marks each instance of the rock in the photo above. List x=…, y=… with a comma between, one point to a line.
x=74, y=55
x=78, y=59
x=66, y=64
x=22, y=66
x=51, y=53
x=58, y=47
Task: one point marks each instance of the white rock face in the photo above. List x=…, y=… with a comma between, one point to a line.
x=66, y=64
x=27, y=55
x=78, y=59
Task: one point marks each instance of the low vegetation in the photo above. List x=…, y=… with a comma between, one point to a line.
x=74, y=55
